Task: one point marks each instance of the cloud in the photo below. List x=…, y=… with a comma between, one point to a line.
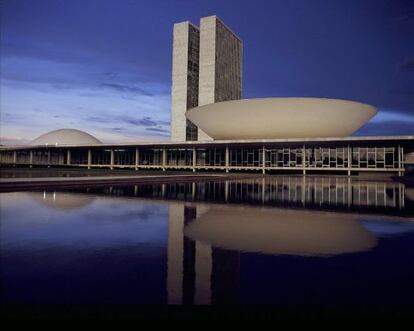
x=387, y=115
x=128, y=126
x=41, y=93
x=164, y=123
x=126, y=88
x=11, y=118
x=158, y=130
x=146, y=121
x=110, y=74
x=390, y=128
x=40, y=66
x=44, y=51
x=4, y=140
x=142, y=122
x=388, y=122
x=98, y=119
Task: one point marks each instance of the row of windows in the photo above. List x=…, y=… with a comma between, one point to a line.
x=356, y=157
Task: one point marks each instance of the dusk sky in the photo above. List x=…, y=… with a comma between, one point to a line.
x=104, y=66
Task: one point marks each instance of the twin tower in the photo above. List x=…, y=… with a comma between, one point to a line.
x=207, y=68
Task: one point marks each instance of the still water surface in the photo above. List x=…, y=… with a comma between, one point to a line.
x=273, y=240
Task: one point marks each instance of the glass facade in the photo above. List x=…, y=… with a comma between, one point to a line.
x=221, y=157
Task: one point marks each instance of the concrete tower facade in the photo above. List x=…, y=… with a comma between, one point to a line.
x=207, y=68
x=220, y=77
x=185, y=71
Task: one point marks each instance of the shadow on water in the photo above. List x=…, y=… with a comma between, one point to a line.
x=267, y=240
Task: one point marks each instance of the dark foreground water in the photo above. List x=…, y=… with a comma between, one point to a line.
x=274, y=240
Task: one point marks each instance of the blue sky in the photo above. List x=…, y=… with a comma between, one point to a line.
x=104, y=66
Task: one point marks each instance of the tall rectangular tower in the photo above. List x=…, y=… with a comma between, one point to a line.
x=207, y=68
x=185, y=69
x=220, y=77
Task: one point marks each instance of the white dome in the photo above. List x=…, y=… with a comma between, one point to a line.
x=274, y=118
x=65, y=137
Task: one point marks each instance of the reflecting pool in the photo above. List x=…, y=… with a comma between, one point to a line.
x=266, y=240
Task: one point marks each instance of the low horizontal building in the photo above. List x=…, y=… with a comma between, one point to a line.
x=347, y=155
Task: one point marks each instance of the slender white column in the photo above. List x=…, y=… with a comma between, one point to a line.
x=227, y=159
x=399, y=160
x=89, y=158
x=164, y=158
x=68, y=157
x=193, y=190
x=136, y=158
x=304, y=159
x=112, y=159
x=194, y=159
x=263, y=159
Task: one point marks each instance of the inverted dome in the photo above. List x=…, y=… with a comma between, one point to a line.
x=65, y=137
x=278, y=118
x=280, y=231
x=62, y=200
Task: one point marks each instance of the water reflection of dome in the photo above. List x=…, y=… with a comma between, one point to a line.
x=280, y=231
x=62, y=200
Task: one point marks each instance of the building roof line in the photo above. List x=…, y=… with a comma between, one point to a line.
x=223, y=142
x=189, y=23
x=225, y=25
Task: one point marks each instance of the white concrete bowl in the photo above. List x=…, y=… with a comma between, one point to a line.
x=278, y=118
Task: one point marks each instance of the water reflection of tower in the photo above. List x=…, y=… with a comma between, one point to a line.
x=197, y=272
